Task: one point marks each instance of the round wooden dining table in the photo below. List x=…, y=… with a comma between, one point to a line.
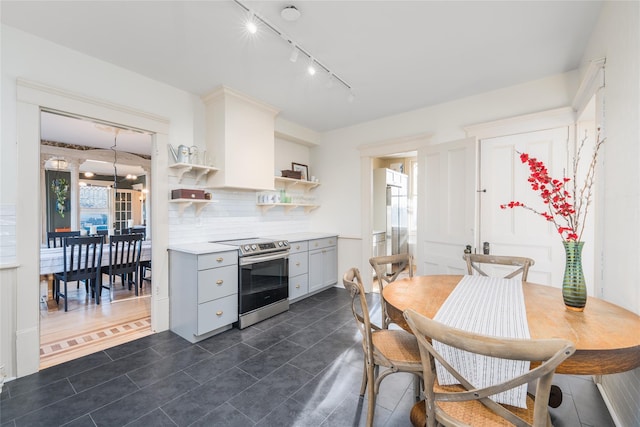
x=606, y=336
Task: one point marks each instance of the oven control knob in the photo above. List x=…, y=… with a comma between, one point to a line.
x=247, y=248
x=254, y=247
x=280, y=244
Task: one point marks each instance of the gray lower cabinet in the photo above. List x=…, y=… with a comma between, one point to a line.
x=204, y=293
x=298, y=270
x=323, y=263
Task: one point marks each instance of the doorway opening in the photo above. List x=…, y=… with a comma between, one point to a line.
x=105, y=169
x=394, y=205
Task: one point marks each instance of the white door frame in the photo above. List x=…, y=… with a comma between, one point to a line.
x=367, y=153
x=31, y=98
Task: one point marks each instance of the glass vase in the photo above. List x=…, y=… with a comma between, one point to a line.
x=574, y=290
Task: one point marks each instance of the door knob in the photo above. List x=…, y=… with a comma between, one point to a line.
x=485, y=248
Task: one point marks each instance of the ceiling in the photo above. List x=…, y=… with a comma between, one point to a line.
x=397, y=56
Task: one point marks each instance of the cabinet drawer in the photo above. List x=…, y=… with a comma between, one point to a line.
x=297, y=247
x=218, y=259
x=298, y=286
x=217, y=282
x=322, y=243
x=298, y=264
x=217, y=313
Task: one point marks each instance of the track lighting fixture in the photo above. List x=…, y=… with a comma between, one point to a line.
x=294, y=54
x=291, y=13
x=311, y=69
x=252, y=28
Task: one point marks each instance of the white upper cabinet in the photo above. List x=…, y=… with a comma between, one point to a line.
x=240, y=139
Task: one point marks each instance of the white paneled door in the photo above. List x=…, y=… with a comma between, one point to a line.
x=447, y=206
x=503, y=178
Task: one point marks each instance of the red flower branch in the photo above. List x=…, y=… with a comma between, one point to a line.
x=566, y=205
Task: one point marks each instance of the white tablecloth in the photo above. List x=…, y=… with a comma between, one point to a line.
x=52, y=260
x=488, y=306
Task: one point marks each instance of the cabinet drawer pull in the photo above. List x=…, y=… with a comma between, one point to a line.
x=219, y=313
x=219, y=282
x=298, y=264
x=297, y=247
x=297, y=286
x=220, y=259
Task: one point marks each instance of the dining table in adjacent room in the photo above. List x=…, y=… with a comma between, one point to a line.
x=605, y=335
x=52, y=259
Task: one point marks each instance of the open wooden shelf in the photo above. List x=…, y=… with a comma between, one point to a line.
x=199, y=204
x=199, y=170
x=288, y=206
x=291, y=183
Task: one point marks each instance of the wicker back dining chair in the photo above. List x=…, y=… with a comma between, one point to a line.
x=387, y=269
x=463, y=404
x=55, y=239
x=395, y=350
x=124, y=261
x=82, y=261
x=474, y=262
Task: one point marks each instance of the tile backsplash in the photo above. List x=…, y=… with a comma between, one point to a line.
x=233, y=214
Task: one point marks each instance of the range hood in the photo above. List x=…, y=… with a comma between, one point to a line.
x=240, y=139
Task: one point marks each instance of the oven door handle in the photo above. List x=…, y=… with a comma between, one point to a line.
x=262, y=258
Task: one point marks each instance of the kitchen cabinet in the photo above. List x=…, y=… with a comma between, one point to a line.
x=298, y=270
x=203, y=293
x=323, y=263
x=240, y=139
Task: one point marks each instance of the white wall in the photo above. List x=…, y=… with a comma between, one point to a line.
x=617, y=37
x=342, y=173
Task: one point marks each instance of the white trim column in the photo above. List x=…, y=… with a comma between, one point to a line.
x=74, y=169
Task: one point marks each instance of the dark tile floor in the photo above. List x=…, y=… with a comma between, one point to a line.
x=300, y=368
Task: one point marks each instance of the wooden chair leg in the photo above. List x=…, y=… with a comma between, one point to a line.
x=363, y=387
x=65, y=297
x=372, y=396
x=417, y=387
x=56, y=284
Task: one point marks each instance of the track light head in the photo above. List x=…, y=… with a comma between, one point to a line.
x=311, y=69
x=294, y=54
x=252, y=28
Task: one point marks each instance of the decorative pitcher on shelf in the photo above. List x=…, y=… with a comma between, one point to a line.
x=181, y=155
x=193, y=155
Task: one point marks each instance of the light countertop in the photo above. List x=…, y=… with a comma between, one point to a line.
x=298, y=237
x=202, y=248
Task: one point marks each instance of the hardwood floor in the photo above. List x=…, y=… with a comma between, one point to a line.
x=88, y=327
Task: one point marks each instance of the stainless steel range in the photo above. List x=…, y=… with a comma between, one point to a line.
x=263, y=278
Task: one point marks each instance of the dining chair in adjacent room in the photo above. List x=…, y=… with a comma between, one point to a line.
x=124, y=261
x=395, y=350
x=463, y=404
x=104, y=234
x=55, y=238
x=387, y=269
x=82, y=261
x=474, y=262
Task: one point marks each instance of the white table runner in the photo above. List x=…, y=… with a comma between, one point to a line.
x=489, y=306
